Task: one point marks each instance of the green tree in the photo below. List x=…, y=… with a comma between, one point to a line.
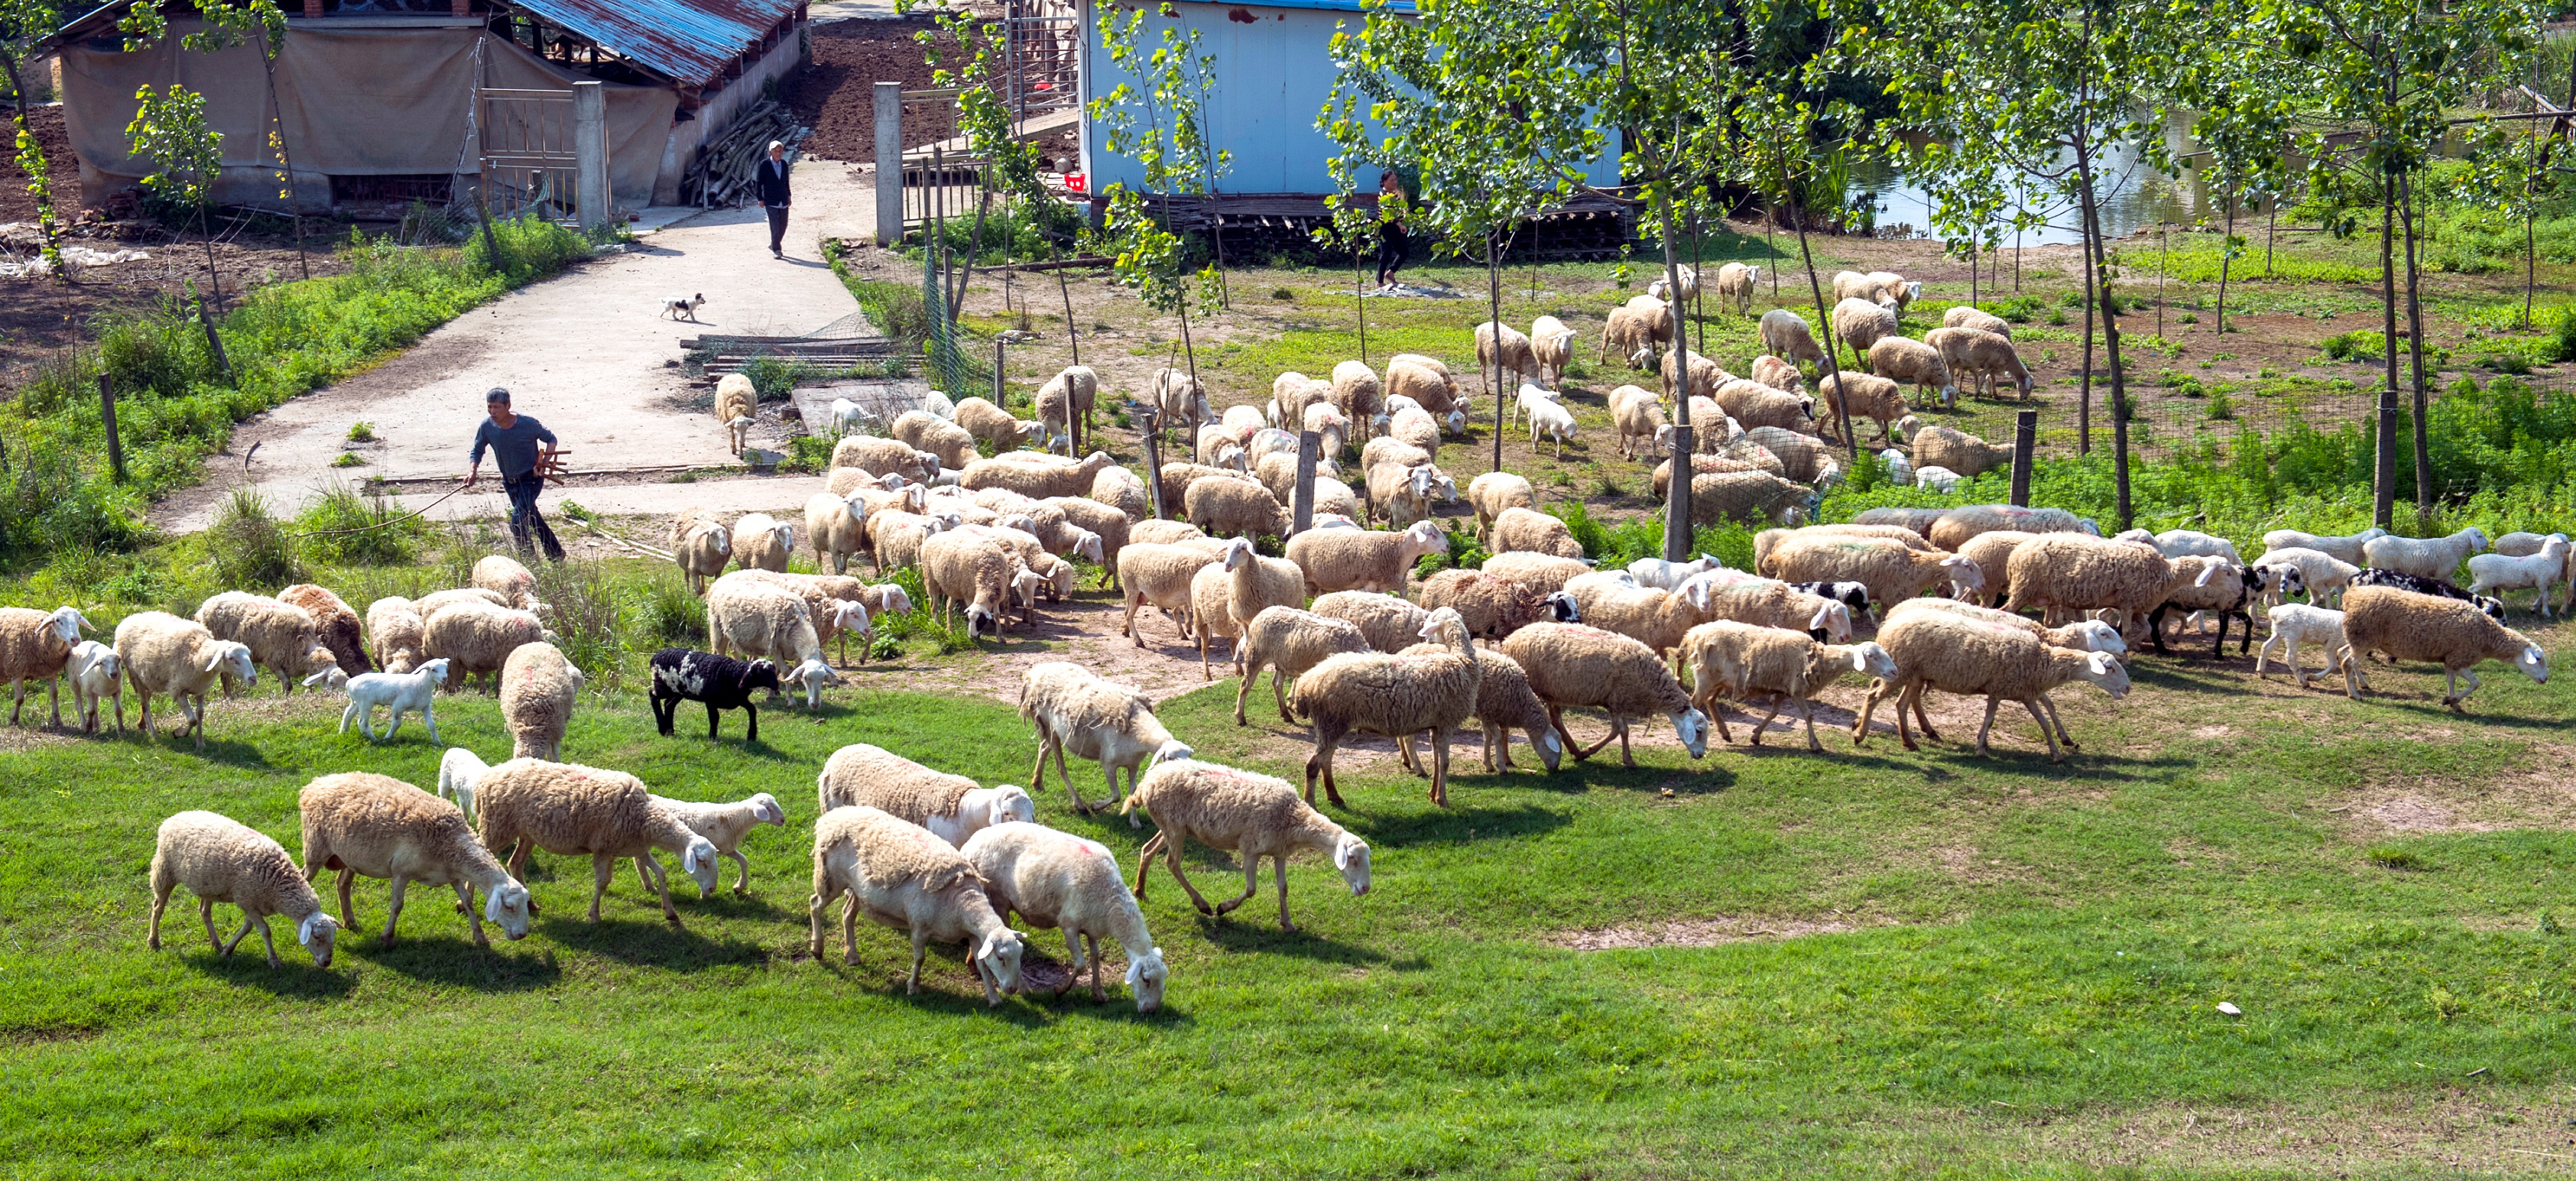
x=1798, y=149
x=23, y=24
x=226, y=24
x=1161, y=125
x=1469, y=93
x=169, y=129
x=2510, y=171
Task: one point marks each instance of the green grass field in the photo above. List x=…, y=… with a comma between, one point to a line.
x=1924, y=964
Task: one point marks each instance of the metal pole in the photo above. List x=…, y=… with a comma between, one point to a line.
x=2384, y=487
x=889, y=103
x=997, y=373
x=1301, y=500
x=2025, y=438
x=1153, y=461
x=107, y=415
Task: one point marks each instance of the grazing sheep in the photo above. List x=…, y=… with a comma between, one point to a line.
x=399, y=693
x=459, y=770
x=221, y=859
x=162, y=653
x=902, y=877
x=1547, y=418
x=338, y=625
x=1289, y=641
x=1875, y=398
x=1035, y=475
x=2406, y=626
x=1735, y=283
x=1900, y=470
x=1969, y=316
x=1982, y=357
x=1803, y=458
x=1220, y=447
x=1493, y=492
x=1240, y=508
x=2426, y=557
x=477, y=637
x=1179, y=400
x=1513, y=355
x=538, y=690
x=1415, y=425
x=36, y=646
x=1504, y=703
x=281, y=638
x=993, y=426
x=2498, y=573
x=1175, y=480
x=879, y=456
x=1638, y=414
x=737, y=407
x=1762, y=602
x=849, y=418
x=1252, y=816
x=1528, y=530
x=1159, y=575
x=1951, y=528
x=1075, y=389
x=1898, y=290
x=1913, y=362
x=2063, y=572
x=1862, y=323
x=1657, y=619
x=1345, y=559
x=1356, y=393
x=1750, y=497
x=1743, y=457
x=569, y=809
x=1572, y=664
x=724, y=826
x=1706, y=376
x=2083, y=635
x=1658, y=574
x=1551, y=350
x=2346, y=549
x=1744, y=660
x=1939, y=650
x=1744, y=405
x=1395, y=696
x=1866, y=288
x=1494, y=607
x=951, y=806
x=508, y=578
x=2297, y=623
x=763, y=542
x=1386, y=622
x=1992, y=552
x=1107, y=722
x=1891, y=569
x=395, y=627
x=2215, y=585
x=358, y=823
x=1785, y=335
x=1770, y=539
x=1057, y=879
x=1662, y=288
x=762, y=619
x=721, y=682
x=836, y=526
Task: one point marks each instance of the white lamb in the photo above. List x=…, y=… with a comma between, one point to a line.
x=1547, y=418
x=458, y=771
x=2494, y=574
x=850, y=418
x=1900, y=468
x=96, y=673
x=1937, y=478
x=2342, y=549
x=724, y=826
x=1664, y=576
x=2426, y=557
x=399, y=693
x=2296, y=622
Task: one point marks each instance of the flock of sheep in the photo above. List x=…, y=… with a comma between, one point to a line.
x=1994, y=601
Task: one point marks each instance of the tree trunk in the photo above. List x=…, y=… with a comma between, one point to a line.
x=2100, y=268
x=285, y=159
x=2084, y=381
x=2415, y=351
x=1832, y=371
x=1677, y=491
x=2388, y=295
x=1494, y=281
x=2226, y=254
x=1359, y=303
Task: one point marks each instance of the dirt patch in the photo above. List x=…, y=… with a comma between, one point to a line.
x=1698, y=933
x=836, y=94
x=2463, y=1130
x=16, y=203
x=2537, y=797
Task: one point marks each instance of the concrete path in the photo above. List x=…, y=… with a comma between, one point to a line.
x=588, y=354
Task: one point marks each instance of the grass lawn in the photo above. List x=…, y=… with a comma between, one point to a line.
x=1860, y=963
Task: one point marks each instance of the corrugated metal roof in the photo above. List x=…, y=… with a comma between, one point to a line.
x=1327, y=5
x=688, y=40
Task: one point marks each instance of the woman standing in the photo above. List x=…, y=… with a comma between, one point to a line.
x=1390, y=231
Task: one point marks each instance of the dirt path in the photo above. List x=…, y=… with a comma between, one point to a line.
x=587, y=353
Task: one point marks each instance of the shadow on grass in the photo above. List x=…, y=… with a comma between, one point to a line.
x=295, y=977
x=649, y=942
x=1457, y=824
x=1254, y=928
x=453, y=959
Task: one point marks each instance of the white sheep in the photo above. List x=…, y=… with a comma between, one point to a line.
x=399, y=693
x=1939, y=650
x=2321, y=574
x=458, y=771
x=950, y=806
x=901, y=876
x=1097, y=719
x=724, y=826
x=850, y=418
x=95, y=674
x=564, y=808
x=1395, y=696
x=1900, y=469
x=1572, y=664
x=35, y=646
x=764, y=620
x=1935, y=478
x=1744, y=660
x=2497, y=573
x=220, y=859
x=1253, y=816
x=2297, y=623
x=282, y=638
x=1057, y=879
x=1666, y=576
x=361, y=823
x=836, y=526
x=2403, y=625
x=2347, y=548
x=163, y=653
x=1735, y=284
x=1547, y=417
x=2427, y=557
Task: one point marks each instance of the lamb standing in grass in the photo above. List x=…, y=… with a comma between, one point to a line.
x=568, y=809
x=399, y=693
x=539, y=687
x=724, y=826
x=951, y=806
x=2403, y=625
x=2297, y=623
x=1935, y=650
x=1571, y=664
x=1396, y=696
x=902, y=877
x=1057, y=879
x=359, y=823
x=701, y=548
x=95, y=674
x=2497, y=573
x=220, y=859
x=163, y=653
x=1252, y=816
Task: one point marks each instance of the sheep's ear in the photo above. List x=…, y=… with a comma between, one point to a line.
x=1342, y=853
x=2207, y=572
x=2100, y=662
x=984, y=950
x=1858, y=657
x=217, y=661
x=312, y=925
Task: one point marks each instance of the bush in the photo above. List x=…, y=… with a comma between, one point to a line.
x=344, y=528
x=248, y=548
x=583, y=609
x=531, y=248
x=2360, y=344
x=776, y=378
x=666, y=615
x=2019, y=309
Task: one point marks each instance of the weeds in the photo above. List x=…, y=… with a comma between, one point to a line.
x=345, y=528
x=248, y=547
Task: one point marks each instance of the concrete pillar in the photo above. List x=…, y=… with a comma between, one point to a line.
x=590, y=153
x=889, y=99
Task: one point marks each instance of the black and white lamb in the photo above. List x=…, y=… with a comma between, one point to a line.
x=2399, y=579
x=1854, y=595
x=722, y=682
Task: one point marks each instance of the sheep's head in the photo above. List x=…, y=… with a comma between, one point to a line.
x=1445, y=626
x=433, y=670
x=1560, y=607
x=1171, y=751
x=2489, y=605
x=2093, y=635
x=232, y=659
x=1025, y=585
x=1238, y=554
x=1831, y=623
x=2534, y=663
x=980, y=621
x=68, y=623
x=813, y=675
x=1351, y=856
x=997, y=964
x=2141, y=536
x=761, y=674
x=1870, y=660
x=318, y=931
x=1691, y=726
x=1146, y=974
x=1424, y=537
x=1551, y=751
x=508, y=905
x=2100, y=669
x=699, y=861
x=851, y=617
x=329, y=680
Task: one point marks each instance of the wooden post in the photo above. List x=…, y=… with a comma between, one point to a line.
x=2025, y=437
x=997, y=373
x=1153, y=460
x=2384, y=488
x=1301, y=513
x=107, y=416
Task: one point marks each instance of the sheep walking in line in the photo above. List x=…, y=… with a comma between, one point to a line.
x=950, y=807
x=724, y=825
x=380, y=827
x=568, y=810
x=2403, y=625
x=900, y=876
x=35, y=646
x=1937, y=650
x=220, y=859
x=1395, y=696
x=1094, y=718
x=2297, y=623
x=281, y=638
x=163, y=653
x=2424, y=557
x=1573, y=665
x=1057, y=879
x=2324, y=576
x=2497, y=573
x=2492, y=606
x=1743, y=660
x=1252, y=816
x=399, y=693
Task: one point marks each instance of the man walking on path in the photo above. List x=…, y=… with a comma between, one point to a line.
x=772, y=179
x=513, y=439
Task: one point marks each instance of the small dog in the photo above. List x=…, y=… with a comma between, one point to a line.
x=678, y=306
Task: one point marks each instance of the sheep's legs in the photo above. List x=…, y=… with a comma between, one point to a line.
x=348, y=914
x=1243, y=693
x=1172, y=858
x=2062, y=735
x=1145, y=862
x=646, y=869
x=1904, y=731
x=1098, y=994
x=1439, y=774
x=1251, y=886
x=465, y=903
x=1991, y=702
x=602, y=868
x=2454, y=700
x=248, y=922
x=1321, y=761
x=742, y=877
x=206, y=912
x=920, y=948
x=1619, y=726
x=1921, y=691
x=2054, y=755
x=393, y=909
x=1279, y=866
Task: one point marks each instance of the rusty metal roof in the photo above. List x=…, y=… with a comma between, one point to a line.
x=687, y=40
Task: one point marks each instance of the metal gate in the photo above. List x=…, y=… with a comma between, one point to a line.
x=529, y=163
x=1041, y=57
x=939, y=179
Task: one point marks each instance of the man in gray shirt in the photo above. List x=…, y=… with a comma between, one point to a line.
x=513, y=440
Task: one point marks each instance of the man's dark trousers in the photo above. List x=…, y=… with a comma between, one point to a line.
x=522, y=491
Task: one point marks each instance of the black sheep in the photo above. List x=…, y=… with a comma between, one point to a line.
x=722, y=682
x=2399, y=579
x=2248, y=585
x=1854, y=596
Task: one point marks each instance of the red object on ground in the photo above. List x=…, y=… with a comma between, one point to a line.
x=1073, y=182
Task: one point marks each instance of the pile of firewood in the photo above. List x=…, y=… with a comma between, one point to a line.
x=722, y=173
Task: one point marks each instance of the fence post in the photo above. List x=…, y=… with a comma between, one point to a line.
x=1301, y=500
x=107, y=415
x=997, y=375
x=590, y=153
x=889, y=102
x=2384, y=488
x=1153, y=459
x=2025, y=437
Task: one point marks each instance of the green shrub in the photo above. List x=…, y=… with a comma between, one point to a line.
x=250, y=551
x=531, y=248
x=587, y=616
x=2392, y=857
x=776, y=378
x=2019, y=309
x=666, y=615
x=2565, y=341
x=2220, y=407
x=344, y=528
x=362, y=432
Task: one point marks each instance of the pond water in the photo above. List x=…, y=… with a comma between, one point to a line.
x=2135, y=195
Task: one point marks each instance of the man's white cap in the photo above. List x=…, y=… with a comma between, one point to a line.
x=774, y=145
